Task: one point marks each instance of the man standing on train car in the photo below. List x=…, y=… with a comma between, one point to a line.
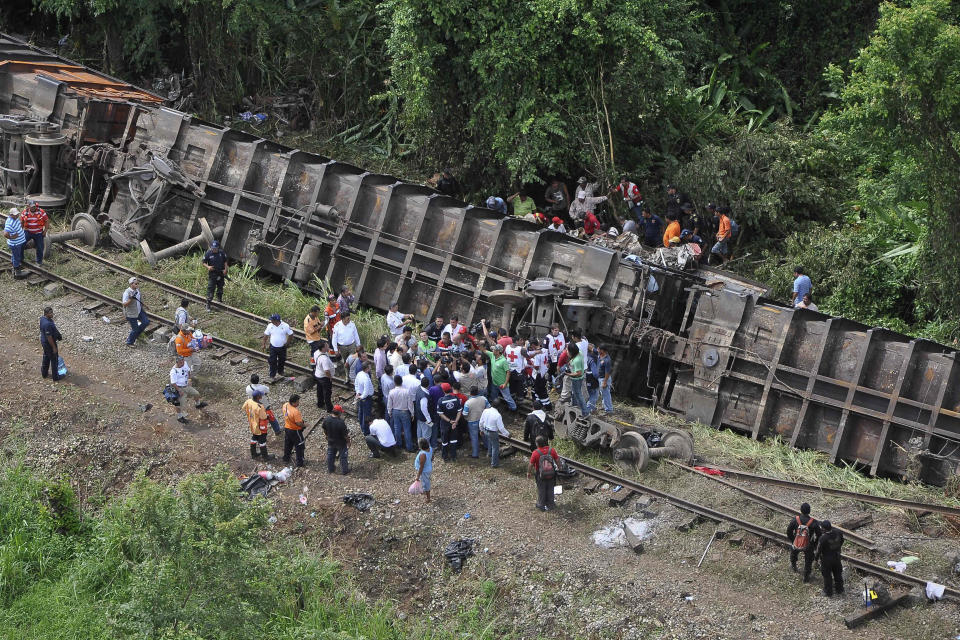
x=216, y=262
x=34, y=221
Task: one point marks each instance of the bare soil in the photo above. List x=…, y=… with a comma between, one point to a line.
x=534, y=573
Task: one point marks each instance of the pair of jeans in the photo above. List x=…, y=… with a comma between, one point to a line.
x=493, y=446
x=473, y=428
x=16, y=254
x=505, y=392
x=364, y=409
x=50, y=361
x=424, y=430
x=137, y=325
x=278, y=358
x=332, y=453
x=402, y=426
x=576, y=391
x=37, y=244
x=607, y=400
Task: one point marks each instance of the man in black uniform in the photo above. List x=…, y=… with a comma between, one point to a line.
x=449, y=410
x=49, y=337
x=216, y=262
x=338, y=440
x=828, y=551
x=803, y=531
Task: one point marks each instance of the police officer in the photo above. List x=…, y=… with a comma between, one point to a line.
x=216, y=263
x=803, y=531
x=49, y=337
x=828, y=551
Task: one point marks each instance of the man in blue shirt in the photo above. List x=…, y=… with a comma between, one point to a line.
x=16, y=239
x=497, y=204
x=651, y=229
x=49, y=337
x=801, y=286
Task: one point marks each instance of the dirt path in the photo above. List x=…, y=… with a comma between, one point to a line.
x=538, y=572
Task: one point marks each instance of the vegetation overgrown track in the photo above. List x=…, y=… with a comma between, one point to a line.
x=588, y=470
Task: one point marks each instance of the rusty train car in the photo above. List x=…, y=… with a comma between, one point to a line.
x=702, y=343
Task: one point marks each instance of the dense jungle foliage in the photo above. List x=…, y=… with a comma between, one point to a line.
x=830, y=127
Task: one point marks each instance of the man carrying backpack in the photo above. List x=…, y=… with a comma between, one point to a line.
x=828, y=552
x=543, y=462
x=537, y=424
x=803, y=531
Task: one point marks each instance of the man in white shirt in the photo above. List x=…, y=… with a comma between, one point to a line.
x=400, y=410
x=363, y=386
x=452, y=327
x=491, y=424
x=345, y=339
x=380, y=438
x=278, y=333
x=397, y=320
x=180, y=378
x=555, y=343
x=323, y=372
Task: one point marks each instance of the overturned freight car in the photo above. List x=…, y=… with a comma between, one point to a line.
x=702, y=343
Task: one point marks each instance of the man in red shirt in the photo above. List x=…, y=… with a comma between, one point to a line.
x=543, y=462
x=590, y=223
x=34, y=220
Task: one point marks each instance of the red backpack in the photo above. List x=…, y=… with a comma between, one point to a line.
x=801, y=539
x=547, y=466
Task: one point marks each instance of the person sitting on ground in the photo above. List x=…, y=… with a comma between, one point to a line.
x=264, y=390
x=543, y=463
x=381, y=438
x=496, y=204
x=523, y=205
x=556, y=224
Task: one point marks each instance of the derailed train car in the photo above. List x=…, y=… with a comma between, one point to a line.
x=702, y=343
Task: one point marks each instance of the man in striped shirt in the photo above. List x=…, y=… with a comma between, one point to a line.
x=34, y=220
x=16, y=239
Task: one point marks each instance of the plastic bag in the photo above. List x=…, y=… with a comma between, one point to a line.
x=416, y=488
x=61, y=366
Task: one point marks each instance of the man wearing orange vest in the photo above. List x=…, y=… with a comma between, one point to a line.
x=331, y=314
x=312, y=326
x=293, y=439
x=672, y=235
x=257, y=417
x=182, y=343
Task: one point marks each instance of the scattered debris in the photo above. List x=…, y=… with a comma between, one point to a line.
x=256, y=118
x=614, y=535
x=145, y=407
x=359, y=501
x=876, y=611
x=87, y=338
x=105, y=319
x=260, y=483
x=856, y=523
x=691, y=523
x=621, y=499
x=712, y=538
x=458, y=551
x=592, y=487
x=934, y=591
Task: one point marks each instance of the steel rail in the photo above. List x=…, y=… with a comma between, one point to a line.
x=770, y=503
x=842, y=493
x=949, y=593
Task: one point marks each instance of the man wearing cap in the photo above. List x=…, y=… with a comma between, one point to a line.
x=312, y=326
x=338, y=440
x=397, y=320
x=496, y=203
x=258, y=420
x=34, y=220
x=133, y=311
x=180, y=378
x=216, y=263
x=523, y=205
x=331, y=314
x=184, y=350
x=556, y=224
x=16, y=239
x=582, y=205
x=278, y=333
x=589, y=188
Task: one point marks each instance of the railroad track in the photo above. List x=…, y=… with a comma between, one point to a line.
x=590, y=471
x=719, y=516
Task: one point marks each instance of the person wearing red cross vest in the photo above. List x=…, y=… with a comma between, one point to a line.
x=514, y=355
x=555, y=343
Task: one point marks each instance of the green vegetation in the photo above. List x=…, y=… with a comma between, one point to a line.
x=841, y=159
x=180, y=563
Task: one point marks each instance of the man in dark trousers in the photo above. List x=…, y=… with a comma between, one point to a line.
x=49, y=337
x=803, y=532
x=338, y=440
x=828, y=552
x=537, y=424
x=293, y=439
x=543, y=462
x=216, y=262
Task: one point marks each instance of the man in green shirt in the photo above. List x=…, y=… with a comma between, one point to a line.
x=522, y=204
x=576, y=369
x=500, y=374
x=425, y=347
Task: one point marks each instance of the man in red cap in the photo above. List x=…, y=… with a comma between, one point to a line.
x=449, y=410
x=557, y=225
